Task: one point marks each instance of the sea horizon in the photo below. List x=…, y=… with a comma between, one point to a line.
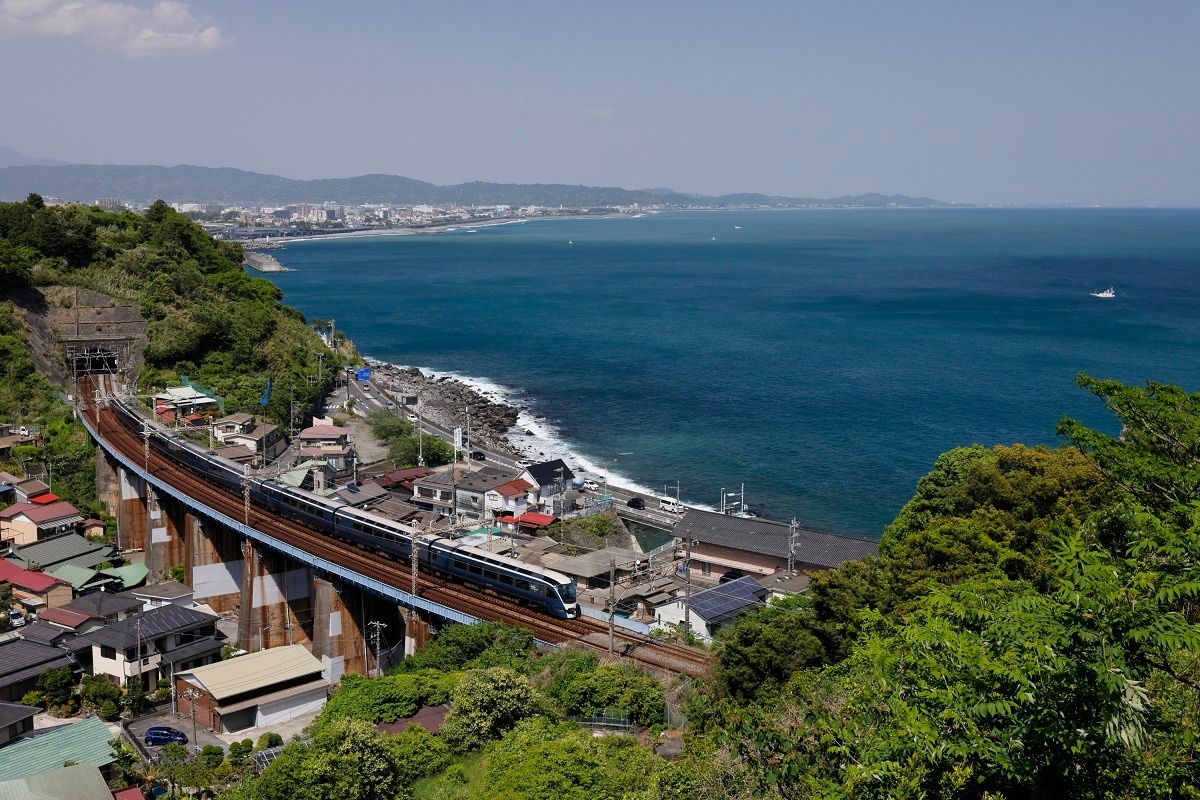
x=822, y=359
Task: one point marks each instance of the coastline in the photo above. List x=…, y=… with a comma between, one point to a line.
x=448, y=228
x=505, y=423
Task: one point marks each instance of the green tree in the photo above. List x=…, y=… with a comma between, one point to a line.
x=487, y=703
x=759, y=655
x=125, y=764
x=56, y=686
x=420, y=754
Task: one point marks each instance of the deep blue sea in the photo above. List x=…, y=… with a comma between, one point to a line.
x=824, y=358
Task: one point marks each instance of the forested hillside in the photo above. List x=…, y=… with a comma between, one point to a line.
x=205, y=318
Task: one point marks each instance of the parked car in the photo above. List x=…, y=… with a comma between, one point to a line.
x=15, y=618
x=411, y=417
x=23, y=430
x=670, y=504
x=636, y=503
x=524, y=463
x=591, y=486
x=161, y=734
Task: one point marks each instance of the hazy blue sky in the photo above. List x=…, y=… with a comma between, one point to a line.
x=1088, y=102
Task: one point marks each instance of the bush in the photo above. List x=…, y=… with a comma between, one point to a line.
x=239, y=752
x=421, y=754
x=212, y=755
x=109, y=711
x=269, y=739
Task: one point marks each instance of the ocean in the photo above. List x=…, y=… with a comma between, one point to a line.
x=821, y=358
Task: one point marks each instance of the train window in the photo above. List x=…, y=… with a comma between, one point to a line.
x=475, y=569
x=490, y=574
x=523, y=585
x=506, y=580
x=460, y=564
x=567, y=592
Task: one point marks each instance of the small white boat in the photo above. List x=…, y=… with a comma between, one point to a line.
x=1109, y=292
x=737, y=227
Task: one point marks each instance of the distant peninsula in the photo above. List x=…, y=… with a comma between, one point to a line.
x=141, y=185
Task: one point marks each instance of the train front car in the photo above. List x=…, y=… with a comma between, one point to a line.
x=566, y=594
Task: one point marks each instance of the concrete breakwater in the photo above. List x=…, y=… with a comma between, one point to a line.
x=263, y=262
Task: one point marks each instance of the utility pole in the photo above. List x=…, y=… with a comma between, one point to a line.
x=793, y=545
x=420, y=436
x=415, y=559
x=320, y=368
x=376, y=627
x=191, y=695
x=246, y=493
x=687, y=585
x=612, y=603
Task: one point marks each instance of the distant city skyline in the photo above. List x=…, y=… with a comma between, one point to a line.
x=1075, y=103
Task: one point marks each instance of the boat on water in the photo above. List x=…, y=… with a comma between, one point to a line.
x=737, y=227
x=1109, y=292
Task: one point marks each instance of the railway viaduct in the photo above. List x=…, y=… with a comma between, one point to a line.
x=279, y=594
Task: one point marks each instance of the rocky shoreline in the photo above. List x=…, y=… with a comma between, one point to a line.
x=445, y=400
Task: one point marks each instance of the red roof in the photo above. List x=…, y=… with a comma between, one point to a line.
x=37, y=514
x=513, y=488
x=24, y=579
x=66, y=617
x=132, y=793
x=45, y=499
x=534, y=518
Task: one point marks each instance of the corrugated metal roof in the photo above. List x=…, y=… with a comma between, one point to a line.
x=128, y=575
x=70, y=547
x=84, y=742
x=772, y=538
x=81, y=577
x=25, y=579
x=77, y=782
x=255, y=671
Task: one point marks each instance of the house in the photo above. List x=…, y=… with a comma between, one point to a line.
x=509, y=499
x=471, y=488
x=76, y=782
x=169, y=593
x=85, y=742
x=28, y=522
x=21, y=662
x=69, y=620
x=66, y=640
x=400, y=481
x=549, y=479
x=711, y=609
x=435, y=492
x=591, y=570
x=8, y=484
x=28, y=488
x=364, y=495
x=264, y=440
x=253, y=690
x=155, y=644
x=105, y=608
x=83, y=580
x=529, y=522
x=15, y=720
x=722, y=543
x=177, y=403
x=329, y=443
x=34, y=590
x=70, y=548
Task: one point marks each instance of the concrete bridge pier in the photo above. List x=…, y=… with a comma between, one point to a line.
x=168, y=523
x=416, y=630
x=214, y=565
x=276, y=600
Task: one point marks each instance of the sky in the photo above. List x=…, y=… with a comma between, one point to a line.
x=1014, y=102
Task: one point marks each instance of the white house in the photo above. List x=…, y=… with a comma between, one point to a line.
x=712, y=608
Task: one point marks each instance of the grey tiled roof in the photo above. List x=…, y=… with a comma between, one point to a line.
x=153, y=623
x=105, y=604
x=14, y=712
x=546, y=473
x=769, y=538
x=168, y=590
x=18, y=657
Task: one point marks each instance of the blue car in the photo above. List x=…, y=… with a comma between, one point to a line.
x=161, y=734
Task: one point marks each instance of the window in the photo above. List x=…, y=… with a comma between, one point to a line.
x=490, y=574
x=107, y=652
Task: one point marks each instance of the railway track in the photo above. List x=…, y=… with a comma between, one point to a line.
x=668, y=656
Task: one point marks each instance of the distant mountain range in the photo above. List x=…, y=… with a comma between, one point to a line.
x=87, y=183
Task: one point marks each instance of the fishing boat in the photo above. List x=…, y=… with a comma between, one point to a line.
x=1109, y=292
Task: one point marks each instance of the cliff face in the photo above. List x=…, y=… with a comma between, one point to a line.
x=62, y=322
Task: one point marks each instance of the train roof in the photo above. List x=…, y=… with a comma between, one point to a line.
x=548, y=574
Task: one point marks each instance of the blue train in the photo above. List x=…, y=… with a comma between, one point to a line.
x=535, y=586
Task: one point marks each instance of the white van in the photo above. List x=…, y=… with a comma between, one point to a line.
x=670, y=504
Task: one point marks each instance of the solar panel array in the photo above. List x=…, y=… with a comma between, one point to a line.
x=724, y=601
